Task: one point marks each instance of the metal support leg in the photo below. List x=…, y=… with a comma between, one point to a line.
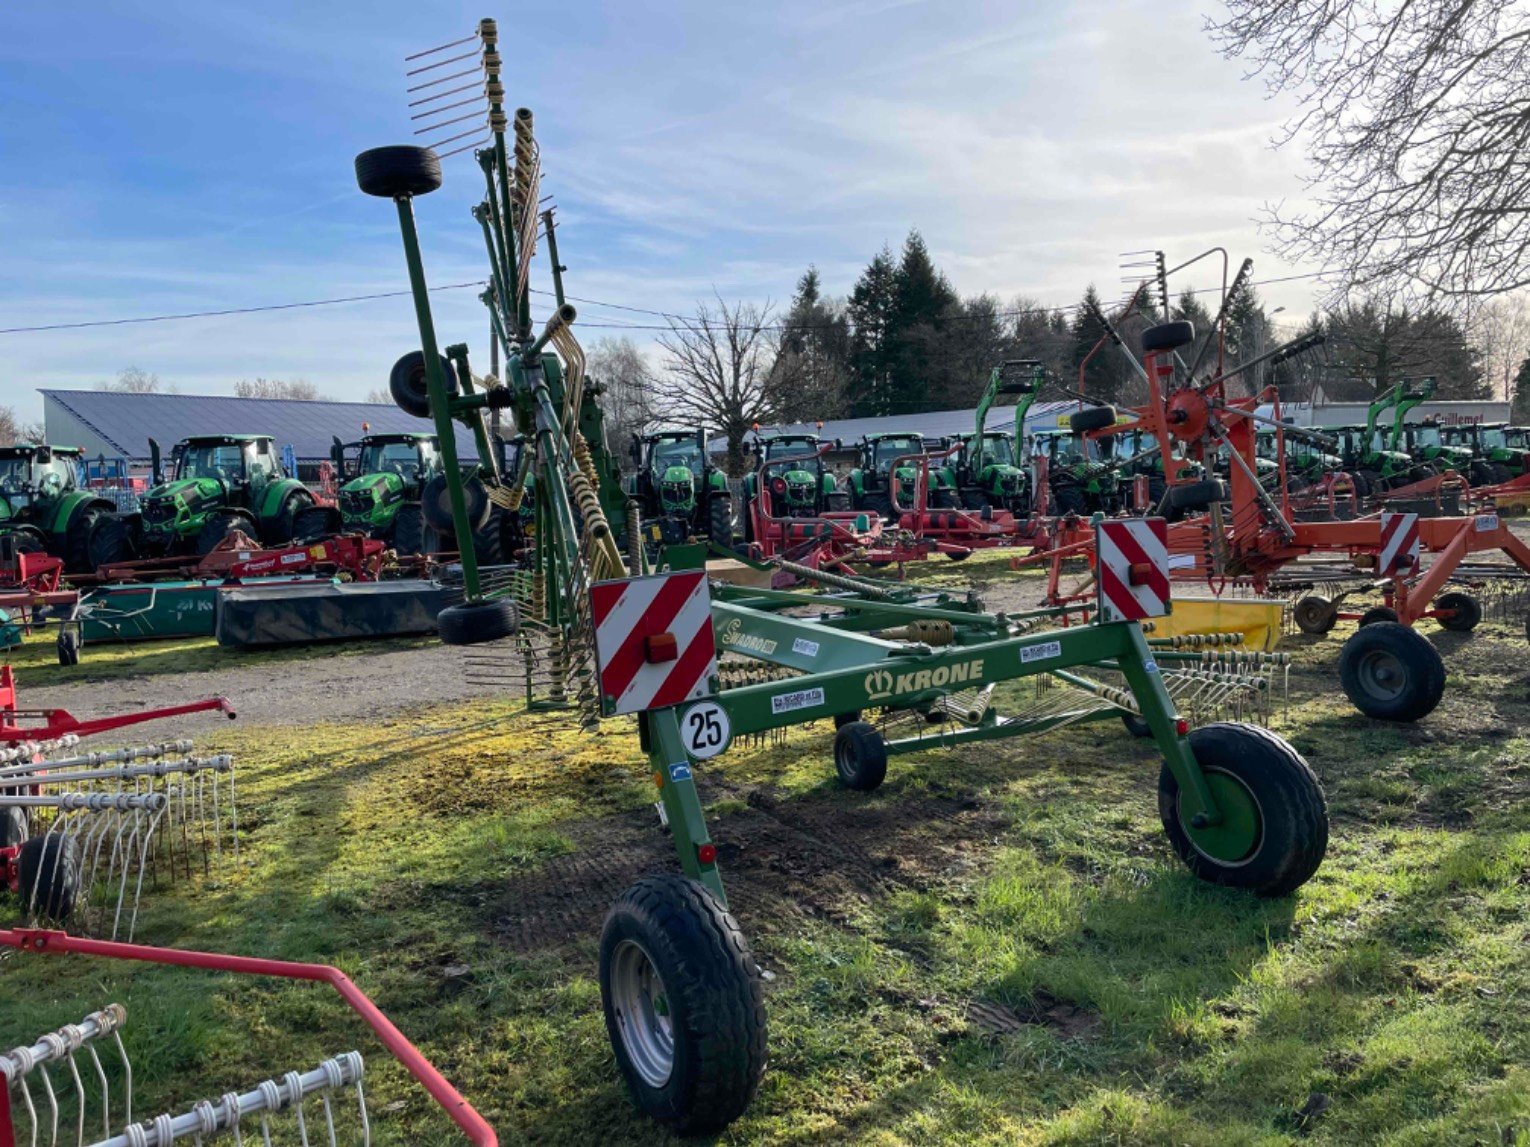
x=682, y=804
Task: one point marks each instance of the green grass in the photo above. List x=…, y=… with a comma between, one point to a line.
x=1144, y=1006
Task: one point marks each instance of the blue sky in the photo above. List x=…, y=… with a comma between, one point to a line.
x=176, y=156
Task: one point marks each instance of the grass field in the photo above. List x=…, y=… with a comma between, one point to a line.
x=995, y=947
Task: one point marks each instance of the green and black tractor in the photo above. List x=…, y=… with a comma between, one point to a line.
x=986, y=471
x=1081, y=473
x=382, y=482
x=873, y=480
x=1307, y=463
x=1373, y=468
x=43, y=509
x=1500, y=452
x=218, y=483
x=682, y=495
x=801, y=485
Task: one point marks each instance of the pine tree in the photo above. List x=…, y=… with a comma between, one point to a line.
x=1521, y=407
x=922, y=302
x=870, y=312
x=812, y=366
x=1100, y=380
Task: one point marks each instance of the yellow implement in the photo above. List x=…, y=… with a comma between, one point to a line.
x=1258, y=619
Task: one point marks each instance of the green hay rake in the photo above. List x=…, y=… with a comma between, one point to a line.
x=895, y=670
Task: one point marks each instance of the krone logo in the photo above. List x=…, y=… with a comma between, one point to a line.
x=879, y=683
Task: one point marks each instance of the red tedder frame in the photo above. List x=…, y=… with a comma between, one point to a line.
x=473, y=1125
x=57, y=723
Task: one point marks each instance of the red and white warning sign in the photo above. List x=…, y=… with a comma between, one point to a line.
x=1399, y=545
x=1133, y=569
x=653, y=641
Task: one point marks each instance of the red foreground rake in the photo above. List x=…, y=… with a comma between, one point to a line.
x=79, y=1108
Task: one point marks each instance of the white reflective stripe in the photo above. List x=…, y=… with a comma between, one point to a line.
x=687, y=628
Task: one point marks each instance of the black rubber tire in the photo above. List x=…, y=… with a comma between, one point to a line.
x=1197, y=495
x=944, y=498
x=1378, y=613
x=975, y=499
x=1480, y=473
x=474, y=623
x=397, y=172
x=843, y=719
x=1502, y=474
x=720, y=518
x=77, y=536
x=1368, y=482
x=436, y=504
x=878, y=504
x=281, y=529
x=1071, y=499
x=27, y=540
x=1136, y=726
x=14, y=826
x=716, y=1002
x=68, y=646
x=488, y=540
x=1169, y=336
x=315, y=523
x=48, y=872
x=1293, y=836
x=410, y=533
x=219, y=526
x=860, y=756
x=406, y=383
x=1092, y=418
x=1398, y=649
x=960, y=557
x=1468, y=611
x=837, y=502
x=110, y=542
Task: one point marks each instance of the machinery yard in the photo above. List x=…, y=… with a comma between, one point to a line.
x=994, y=947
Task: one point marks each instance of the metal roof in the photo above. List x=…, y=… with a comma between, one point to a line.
x=931, y=424
x=127, y=421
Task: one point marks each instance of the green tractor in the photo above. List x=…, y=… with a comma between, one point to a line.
x=219, y=483
x=1080, y=474
x=43, y=509
x=382, y=481
x=1423, y=441
x=1373, y=468
x=681, y=493
x=986, y=471
x=806, y=490
x=1500, y=452
x=1306, y=462
x=872, y=481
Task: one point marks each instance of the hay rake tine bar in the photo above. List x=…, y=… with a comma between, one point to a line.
x=58, y=1046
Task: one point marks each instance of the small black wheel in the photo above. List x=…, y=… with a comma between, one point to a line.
x=14, y=826
x=684, y=1006
x=843, y=719
x=1391, y=673
x=216, y=528
x=860, y=756
x=1135, y=725
x=960, y=557
x=1273, y=831
x=1197, y=495
x=69, y=646
x=407, y=385
x=436, y=504
x=473, y=623
x=1465, y=611
x=1315, y=614
x=398, y=172
x=1378, y=613
x=878, y=504
x=1092, y=418
x=48, y=875
x=315, y=523
x=1169, y=336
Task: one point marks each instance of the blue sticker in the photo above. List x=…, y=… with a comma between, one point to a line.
x=680, y=772
x=1150, y=665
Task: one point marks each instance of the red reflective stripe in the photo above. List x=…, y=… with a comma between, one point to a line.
x=604, y=596
x=1125, y=539
x=628, y=659
x=685, y=673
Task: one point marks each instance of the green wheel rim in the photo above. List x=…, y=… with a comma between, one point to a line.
x=1236, y=838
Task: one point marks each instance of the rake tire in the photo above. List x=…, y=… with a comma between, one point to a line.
x=48, y=872
x=407, y=385
x=398, y=172
x=713, y=1002
x=860, y=756
x=1199, y=495
x=1467, y=615
x=1378, y=613
x=1391, y=673
x=14, y=826
x=1315, y=615
x=473, y=623
x=1092, y=418
x=1292, y=835
x=68, y=646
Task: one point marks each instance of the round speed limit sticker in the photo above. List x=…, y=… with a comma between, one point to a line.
x=705, y=730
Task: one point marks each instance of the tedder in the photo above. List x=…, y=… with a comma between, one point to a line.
x=895, y=671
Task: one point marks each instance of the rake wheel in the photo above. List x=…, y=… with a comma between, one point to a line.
x=1466, y=611
x=1391, y=673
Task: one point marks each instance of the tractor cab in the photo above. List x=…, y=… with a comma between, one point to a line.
x=232, y=459
x=35, y=474
x=800, y=485
x=43, y=508
x=1364, y=455
x=219, y=483
x=379, y=475
x=871, y=482
x=1496, y=457
x=1306, y=461
x=1425, y=443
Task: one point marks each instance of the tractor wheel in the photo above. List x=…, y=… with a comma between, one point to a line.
x=1391, y=673
x=1315, y=615
x=1071, y=500
x=473, y=623
x=959, y=557
x=1197, y=495
x=878, y=504
x=488, y=541
x=975, y=499
x=14, y=828
x=410, y=533
x=217, y=527
x=282, y=528
x=26, y=540
x=398, y=172
x=684, y=1007
x=860, y=756
x=69, y=646
x=1094, y=418
x=82, y=525
x=406, y=383
x=315, y=523
x=1378, y=613
x=1273, y=830
x=110, y=542
x=836, y=503
x=48, y=875
x=944, y=498
x=720, y=519
x=436, y=502
x=1502, y=474
x=843, y=719
x=1135, y=725
x=1467, y=615
x=1480, y=473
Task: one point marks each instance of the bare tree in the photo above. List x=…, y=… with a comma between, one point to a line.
x=719, y=368
x=13, y=429
x=1416, y=119
x=379, y=397
x=1502, y=331
x=133, y=380
x=628, y=384
x=297, y=389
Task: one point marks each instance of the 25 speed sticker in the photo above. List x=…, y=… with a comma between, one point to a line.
x=705, y=730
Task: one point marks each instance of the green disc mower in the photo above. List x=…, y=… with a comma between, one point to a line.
x=43, y=509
